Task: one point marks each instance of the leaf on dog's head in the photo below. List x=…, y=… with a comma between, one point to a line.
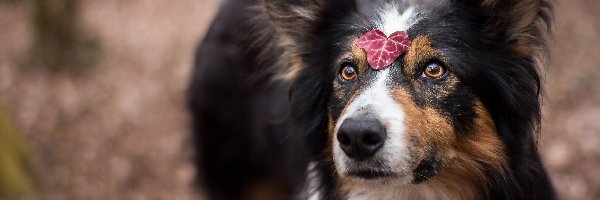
x=381, y=50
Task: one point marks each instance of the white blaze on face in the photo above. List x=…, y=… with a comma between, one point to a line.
x=391, y=20
x=379, y=101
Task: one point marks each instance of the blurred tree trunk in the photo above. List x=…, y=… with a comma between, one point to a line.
x=14, y=160
x=58, y=41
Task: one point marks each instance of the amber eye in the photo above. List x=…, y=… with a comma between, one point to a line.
x=348, y=72
x=434, y=70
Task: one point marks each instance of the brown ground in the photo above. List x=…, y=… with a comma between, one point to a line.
x=119, y=131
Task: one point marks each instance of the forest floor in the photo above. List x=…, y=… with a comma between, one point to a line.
x=120, y=130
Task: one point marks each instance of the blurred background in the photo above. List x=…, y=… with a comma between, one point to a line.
x=92, y=101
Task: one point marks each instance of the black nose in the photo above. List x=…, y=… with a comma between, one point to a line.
x=361, y=138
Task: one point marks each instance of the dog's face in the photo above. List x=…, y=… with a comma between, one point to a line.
x=427, y=115
x=410, y=121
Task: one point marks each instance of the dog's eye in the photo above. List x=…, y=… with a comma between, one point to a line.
x=348, y=72
x=434, y=70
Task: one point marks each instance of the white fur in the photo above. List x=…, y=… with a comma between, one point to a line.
x=393, y=192
x=391, y=20
x=377, y=97
x=394, y=153
x=312, y=180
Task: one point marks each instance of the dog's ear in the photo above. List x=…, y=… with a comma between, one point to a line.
x=522, y=28
x=294, y=19
x=524, y=24
x=295, y=23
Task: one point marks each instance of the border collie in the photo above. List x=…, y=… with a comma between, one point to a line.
x=371, y=99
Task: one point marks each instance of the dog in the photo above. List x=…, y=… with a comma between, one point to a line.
x=371, y=99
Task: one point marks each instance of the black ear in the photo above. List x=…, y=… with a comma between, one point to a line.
x=524, y=24
x=295, y=22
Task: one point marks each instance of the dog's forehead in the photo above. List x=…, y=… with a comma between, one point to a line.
x=374, y=3
x=369, y=7
x=395, y=15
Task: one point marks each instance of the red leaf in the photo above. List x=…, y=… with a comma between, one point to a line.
x=381, y=50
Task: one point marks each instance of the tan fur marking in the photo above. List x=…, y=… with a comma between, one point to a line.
x=330, y=135
x=359, y=57
x=356, y=56
x=464, y=176
x=426, y=126
x=464, y=156
x=420, y=51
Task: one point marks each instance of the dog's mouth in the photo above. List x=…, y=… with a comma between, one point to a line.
x=371, y=174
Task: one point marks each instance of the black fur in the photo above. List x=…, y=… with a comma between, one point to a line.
x=239, y=120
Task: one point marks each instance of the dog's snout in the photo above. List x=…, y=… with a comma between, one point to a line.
x=361, y=138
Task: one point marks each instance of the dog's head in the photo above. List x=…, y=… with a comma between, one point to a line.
x=453, y=106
